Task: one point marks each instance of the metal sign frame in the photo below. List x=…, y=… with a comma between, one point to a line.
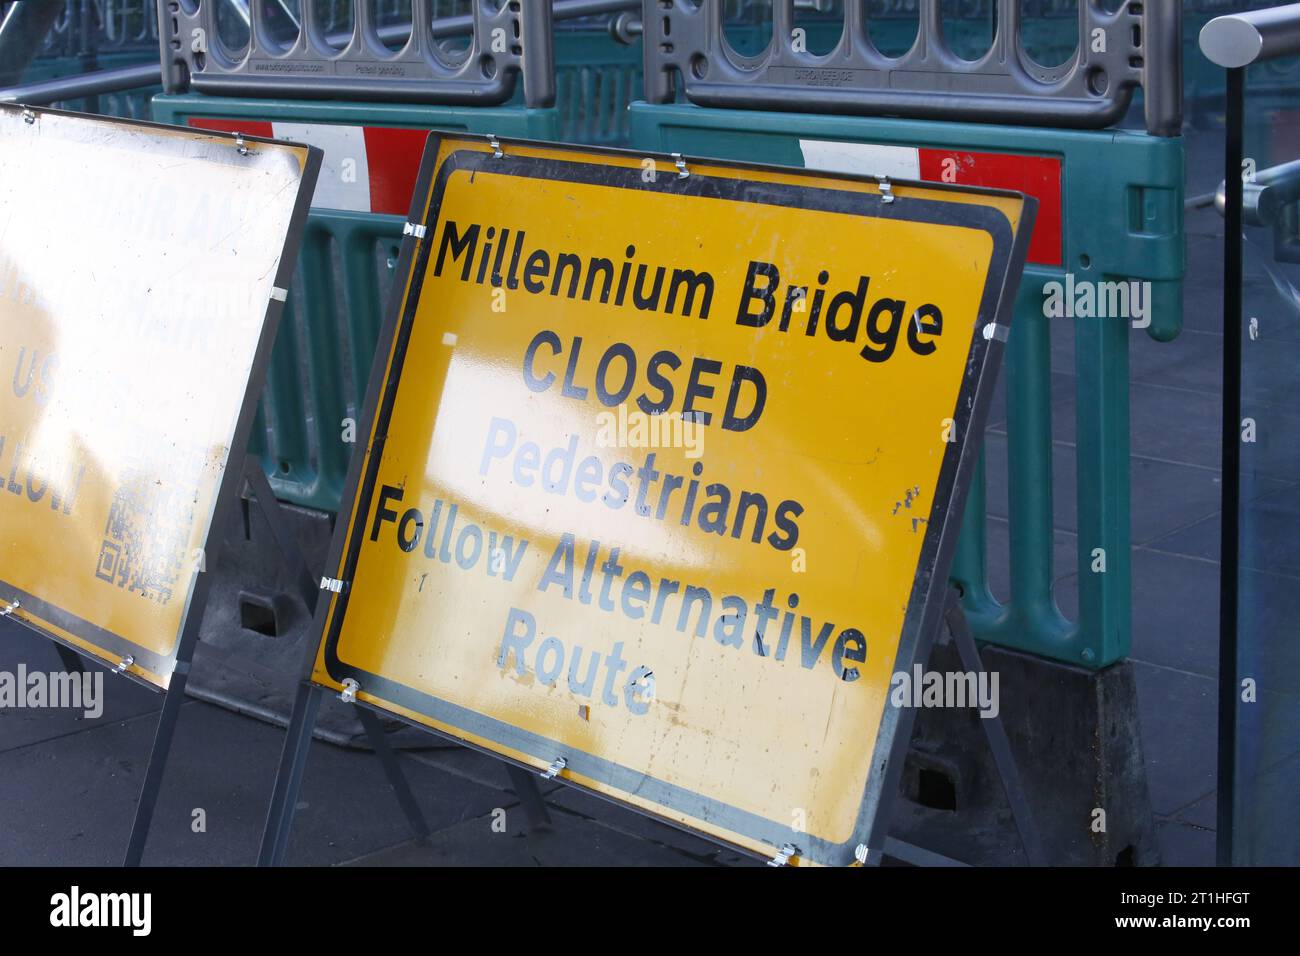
x=926, y=603
x=507, y=41
x=227, y=489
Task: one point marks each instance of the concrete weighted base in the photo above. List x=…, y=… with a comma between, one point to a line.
x=1078, y=746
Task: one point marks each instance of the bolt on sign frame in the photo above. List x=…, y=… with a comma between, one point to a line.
x=505, y=428
x=509, y=40
x=143, y=274
x=1138, y=45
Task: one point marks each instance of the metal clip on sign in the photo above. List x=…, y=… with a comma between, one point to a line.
x=783, y=858
x=1138, y=45
x=506, y=41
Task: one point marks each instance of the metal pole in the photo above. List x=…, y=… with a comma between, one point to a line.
x=87, y=84
x=996, y=734
x=530, y=796
x=288, y=779
x=153, y=774
x=70, y=659
x=284, y=539
x=1231, y=478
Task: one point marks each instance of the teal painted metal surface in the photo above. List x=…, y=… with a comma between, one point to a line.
x=322, y=354
x=1122, y=219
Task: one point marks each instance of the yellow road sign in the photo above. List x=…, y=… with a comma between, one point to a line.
x=660, y=474
x=141, y=272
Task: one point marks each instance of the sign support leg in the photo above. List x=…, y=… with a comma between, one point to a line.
x=288, y=779
x=289, y=548
x=162, y=742
x=530, y=797
x=307, y=704
x=393, y=771
x=997, y=736
x=280, y=818
x=70, y=659
x=880, y=843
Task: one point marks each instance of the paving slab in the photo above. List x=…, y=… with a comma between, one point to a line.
x=70, y=801
x=19, y=727
x=574, y=841
x=1177, y=713
x=1182, y=844
x=589, y=807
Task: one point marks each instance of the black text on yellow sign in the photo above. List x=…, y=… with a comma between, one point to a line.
x=659, y=475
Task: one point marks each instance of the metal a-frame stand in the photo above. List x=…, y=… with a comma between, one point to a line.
x=880, y=844
x=293, y=759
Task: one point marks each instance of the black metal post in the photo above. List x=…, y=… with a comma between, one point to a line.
x=280, y=531
x=288, y=779
x=1231, y=478
x=530, y=797
x=153, y=774
x=996, y=734
x=70, y=659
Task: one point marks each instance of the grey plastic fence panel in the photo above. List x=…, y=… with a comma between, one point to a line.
x=510, y=41
x=1137, y=45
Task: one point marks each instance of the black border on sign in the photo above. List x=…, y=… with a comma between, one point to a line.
x=925, y=605
x=232, y=476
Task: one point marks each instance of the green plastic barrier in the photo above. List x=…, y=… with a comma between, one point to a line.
x=321, y=360
x=595, y=80
x=1122, y=211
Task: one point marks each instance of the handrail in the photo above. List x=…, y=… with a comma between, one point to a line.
x=1241, y=39
x=1264, y=198
x=84, y=84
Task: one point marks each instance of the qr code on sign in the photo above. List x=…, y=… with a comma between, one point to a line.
x=146, y=534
